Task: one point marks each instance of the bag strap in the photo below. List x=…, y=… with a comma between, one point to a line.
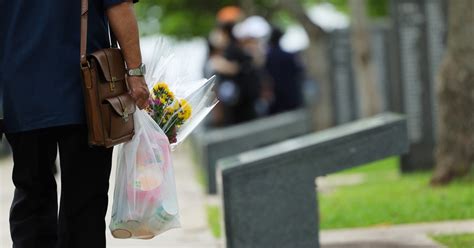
x=113, y=39
x=84, y=18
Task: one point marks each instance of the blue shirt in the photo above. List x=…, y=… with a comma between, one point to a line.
x=39, y=60
x=286, y=72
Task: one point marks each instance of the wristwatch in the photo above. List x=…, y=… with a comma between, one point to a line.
x=137, y=72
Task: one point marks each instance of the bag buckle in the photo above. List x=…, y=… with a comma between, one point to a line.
x=125, y=114
x=112, y=84
x=86, y=65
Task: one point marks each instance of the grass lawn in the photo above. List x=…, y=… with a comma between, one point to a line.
x=456, y=241
x=214, y=220
x=387, y=198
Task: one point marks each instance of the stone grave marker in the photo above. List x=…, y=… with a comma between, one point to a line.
x=224, y=142
x=345, y=101
x=269, y=196
x=419, y=31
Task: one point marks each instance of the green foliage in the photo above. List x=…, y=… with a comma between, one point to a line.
x=180, y=18
x=282, y=19
x=378, y=8
x=188, y=18
x=186, y=23
x=456, y=241
x=341, y=5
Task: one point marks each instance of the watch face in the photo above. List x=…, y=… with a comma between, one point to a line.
x=141, y=71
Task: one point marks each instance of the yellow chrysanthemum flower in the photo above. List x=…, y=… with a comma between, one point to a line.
x=169, y=110
x=183, y=102
x=185, y=110
x=161, y=86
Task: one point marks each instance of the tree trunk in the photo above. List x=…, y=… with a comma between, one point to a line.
x=316, y=62
x=317, y=68
x=369, y=92
x=455, y=149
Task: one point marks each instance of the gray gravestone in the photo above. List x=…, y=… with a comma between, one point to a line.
x=346, y=96
x=436, y=28
x=224, y=142
x=419, y=35
x=269, y=194
x=345, y=103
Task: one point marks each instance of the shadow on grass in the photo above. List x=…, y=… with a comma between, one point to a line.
x=456, y=241
x=387, y=197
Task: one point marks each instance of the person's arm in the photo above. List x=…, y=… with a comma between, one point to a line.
x=124, y=25
x=223, y=66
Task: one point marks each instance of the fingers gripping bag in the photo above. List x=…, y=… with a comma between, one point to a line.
x=145, y=198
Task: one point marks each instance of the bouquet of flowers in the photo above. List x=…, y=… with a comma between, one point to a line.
x=145, y=199
x=178, y=108
x=169, y=112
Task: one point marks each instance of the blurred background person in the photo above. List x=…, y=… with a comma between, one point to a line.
x=238, y=79
x=217, y=42
x=252, y=35
x=287, y=74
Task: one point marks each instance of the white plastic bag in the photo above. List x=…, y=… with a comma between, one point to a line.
x=173, y=71
x=145, y=199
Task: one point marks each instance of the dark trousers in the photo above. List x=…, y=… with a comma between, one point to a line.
x=85, y=171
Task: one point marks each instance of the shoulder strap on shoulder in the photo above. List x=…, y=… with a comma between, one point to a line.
x=84, y=18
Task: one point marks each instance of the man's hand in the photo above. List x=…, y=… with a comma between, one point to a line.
x=139, y=91
x=124, y=25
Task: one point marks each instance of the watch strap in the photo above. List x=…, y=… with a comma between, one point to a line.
x=140, y=71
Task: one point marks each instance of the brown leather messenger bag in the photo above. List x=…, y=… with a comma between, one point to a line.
x=108, y=105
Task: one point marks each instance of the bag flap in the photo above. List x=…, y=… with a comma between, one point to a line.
x=111, y=62
x=124, y=105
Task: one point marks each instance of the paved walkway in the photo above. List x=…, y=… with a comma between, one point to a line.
x=6, y=190
x=194, y=233
x=411, y=235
